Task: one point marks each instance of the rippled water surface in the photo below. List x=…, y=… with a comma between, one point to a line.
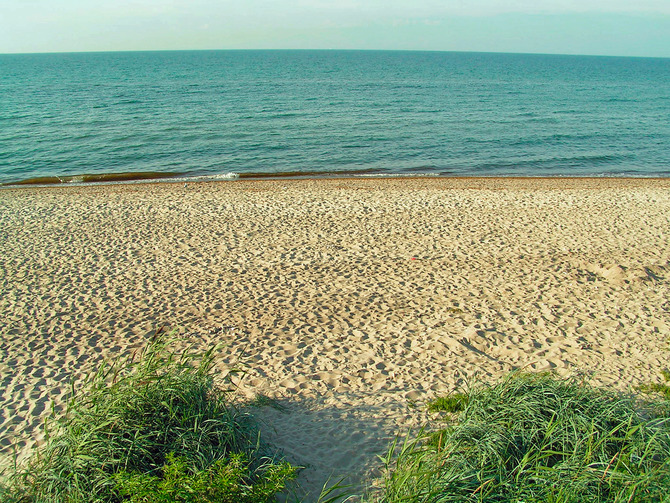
x=213, y=113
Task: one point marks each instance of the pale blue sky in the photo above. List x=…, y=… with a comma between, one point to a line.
x=607, y=27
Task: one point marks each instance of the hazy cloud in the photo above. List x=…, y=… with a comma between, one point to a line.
x=592, y=26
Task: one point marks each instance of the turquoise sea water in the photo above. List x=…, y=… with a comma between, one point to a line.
x=318, y=113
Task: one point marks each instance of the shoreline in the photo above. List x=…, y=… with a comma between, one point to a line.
x=350, y=301
x=111, y=179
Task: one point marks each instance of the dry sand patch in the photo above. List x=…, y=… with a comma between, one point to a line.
x=350, y=302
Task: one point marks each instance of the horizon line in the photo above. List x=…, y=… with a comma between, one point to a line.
x=325, y=50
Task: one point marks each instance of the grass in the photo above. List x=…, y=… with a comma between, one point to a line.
x=224, y=481
x=662, y=389
x=159, y=428
x=535, y=438
x=149, y=429
x=449, y=404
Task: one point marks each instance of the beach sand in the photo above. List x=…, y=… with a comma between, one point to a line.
x=350, y=302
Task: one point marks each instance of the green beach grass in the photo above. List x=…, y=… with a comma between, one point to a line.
x=662, y=389
x=156, y=428
x=160, y=428
x=535, y=438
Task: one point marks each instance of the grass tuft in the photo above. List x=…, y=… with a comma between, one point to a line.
x=536, y=438
x=449, y=404
x=159, y=420
x=662, y=389
x=223, y=481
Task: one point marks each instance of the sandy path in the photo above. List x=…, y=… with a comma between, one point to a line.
x=351, y=302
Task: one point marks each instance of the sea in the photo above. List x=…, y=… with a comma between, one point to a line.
x=223, y=115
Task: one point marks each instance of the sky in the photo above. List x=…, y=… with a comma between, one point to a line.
x=597, y=27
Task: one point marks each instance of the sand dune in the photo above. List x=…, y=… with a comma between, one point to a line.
x=349, y=302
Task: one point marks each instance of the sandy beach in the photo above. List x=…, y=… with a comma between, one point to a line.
x=349, y=302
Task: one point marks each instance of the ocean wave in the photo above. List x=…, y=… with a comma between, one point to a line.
x=95, y=178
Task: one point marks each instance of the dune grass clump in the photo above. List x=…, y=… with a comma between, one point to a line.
x=450, y=404
x=537, y=438
x=149, y=429
x=662, y=389
x=225, y=481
